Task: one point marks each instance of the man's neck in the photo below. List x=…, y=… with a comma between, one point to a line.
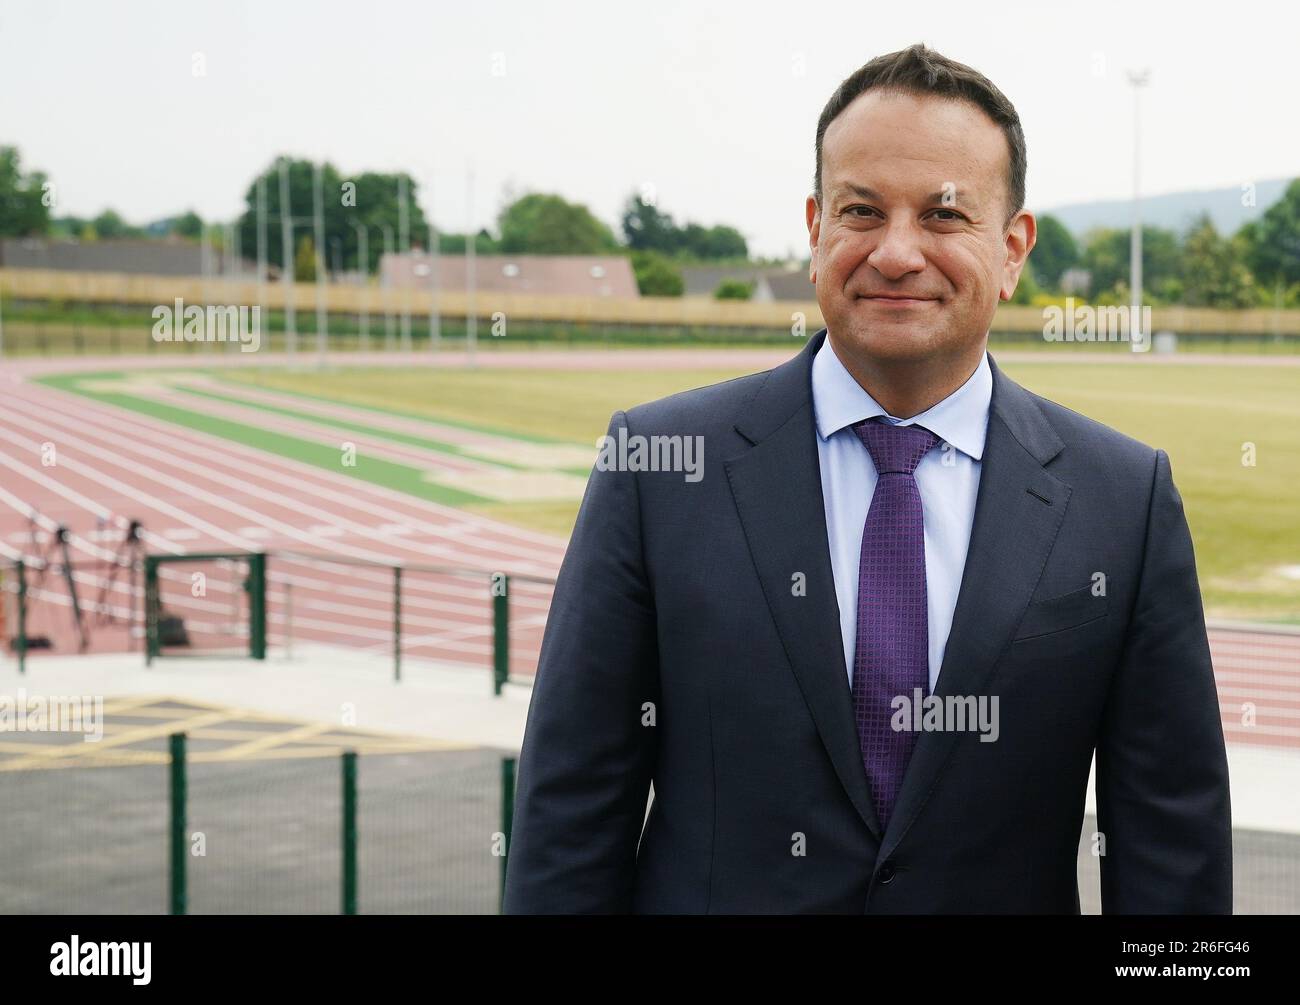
x=905, y=388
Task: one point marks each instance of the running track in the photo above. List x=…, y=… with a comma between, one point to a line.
x=197, y=493
x=194, y=492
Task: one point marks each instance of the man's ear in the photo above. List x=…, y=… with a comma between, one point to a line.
x=1022, y=234
x=813, y=212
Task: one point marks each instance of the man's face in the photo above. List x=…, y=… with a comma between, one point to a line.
x=909, y=252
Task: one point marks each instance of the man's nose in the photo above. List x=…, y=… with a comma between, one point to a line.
x=898, y=251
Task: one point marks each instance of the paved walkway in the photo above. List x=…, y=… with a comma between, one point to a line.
x=456, y=705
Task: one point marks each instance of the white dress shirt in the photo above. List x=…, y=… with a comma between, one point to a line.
x=948, y=478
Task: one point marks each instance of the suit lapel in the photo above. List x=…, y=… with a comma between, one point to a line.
x=778, y=492
x=1018, y=513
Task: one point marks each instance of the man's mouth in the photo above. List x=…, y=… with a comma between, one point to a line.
x=893, y=300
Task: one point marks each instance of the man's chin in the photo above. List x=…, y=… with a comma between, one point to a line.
x=886, y=340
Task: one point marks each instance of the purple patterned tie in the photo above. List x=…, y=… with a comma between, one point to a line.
x=892, y=655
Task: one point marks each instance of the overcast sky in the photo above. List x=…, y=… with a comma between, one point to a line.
x=713, y=104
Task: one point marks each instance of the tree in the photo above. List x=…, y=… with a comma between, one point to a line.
x=1106, y=257
x=110, y=226
x=712, y=243
x=734, y=289
x=1272, y=243
x=23, y=209
x=454, y=244
x=188, y=224
x=377, y=206
x=70, y=228
x=369, y=199
x=304, y=262
x=1054, y=252
x=540, y=224
x=724, y=242
x=1214, y=270
x=656, y=276
x=647, y=229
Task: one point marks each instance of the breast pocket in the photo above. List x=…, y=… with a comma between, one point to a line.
x=1059, y=614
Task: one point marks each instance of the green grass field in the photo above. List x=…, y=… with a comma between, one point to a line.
x=1243, y=518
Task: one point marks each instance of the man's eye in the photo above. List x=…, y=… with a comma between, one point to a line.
x=859, y=211
x=952, y=216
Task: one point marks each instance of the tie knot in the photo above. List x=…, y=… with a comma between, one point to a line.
x=894, y=449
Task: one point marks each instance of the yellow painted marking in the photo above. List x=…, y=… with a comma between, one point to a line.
x=119, y=757
x=201, y=720
x=72, y=750
x=156, y=713
x=270, y=740
x=119, y=706
x=231, y=732
x=128, y=758
x=288, y=753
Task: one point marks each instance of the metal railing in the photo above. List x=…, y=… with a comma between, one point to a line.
x=259, y=604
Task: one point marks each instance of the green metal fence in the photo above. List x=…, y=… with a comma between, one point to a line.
x=349, y=834
x=255, y=604
x=409, y=611
x=243, y=574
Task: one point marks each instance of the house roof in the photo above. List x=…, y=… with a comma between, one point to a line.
x=783, y=283
x=129, y=255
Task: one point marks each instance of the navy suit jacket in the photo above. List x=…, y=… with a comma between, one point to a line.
x=680, y=651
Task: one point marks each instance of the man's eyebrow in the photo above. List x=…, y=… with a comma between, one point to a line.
x=861, y=191
x=865, y=192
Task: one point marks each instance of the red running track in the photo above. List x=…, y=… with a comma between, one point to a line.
x=194, y=492
x=197, y=493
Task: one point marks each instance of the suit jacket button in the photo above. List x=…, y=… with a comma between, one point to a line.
x=886, y=873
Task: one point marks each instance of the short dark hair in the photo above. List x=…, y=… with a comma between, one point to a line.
x=918, y=70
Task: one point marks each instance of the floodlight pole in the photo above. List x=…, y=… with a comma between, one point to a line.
x=318, y=230
x=363, y=254
x=404, y=242
x=1138, y=79
x=261, y=240
x=435, y=321
x=205, y=270
x=388, y=288
x=471, y=278
x=286, y=249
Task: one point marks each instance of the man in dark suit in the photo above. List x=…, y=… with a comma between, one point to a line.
x=865, y=654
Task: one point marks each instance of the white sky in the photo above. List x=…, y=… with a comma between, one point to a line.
x=703, y=101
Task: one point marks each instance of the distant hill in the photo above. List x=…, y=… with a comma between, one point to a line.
x=1174, y=211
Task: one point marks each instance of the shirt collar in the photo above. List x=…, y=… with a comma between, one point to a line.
x=960, y=419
